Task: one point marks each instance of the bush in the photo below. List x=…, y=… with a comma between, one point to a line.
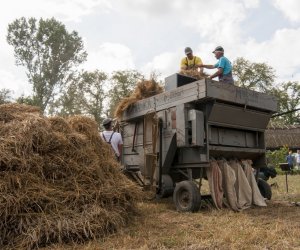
x=274, y=158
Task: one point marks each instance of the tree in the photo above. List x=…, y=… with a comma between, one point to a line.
x=83, y=95
x=288, y=96
x=122, y=84
x=260, y=76
x=92, y=93
x=275, y=157
x=49, y=53
x=5, y=96
x=29, y=100
x=255, y=76
x=70, y=101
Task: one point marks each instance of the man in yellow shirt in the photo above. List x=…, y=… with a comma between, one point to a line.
x=191, y=62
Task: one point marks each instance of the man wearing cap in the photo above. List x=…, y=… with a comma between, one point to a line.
x=111, y=137
x=191, y=62
x=223, y=65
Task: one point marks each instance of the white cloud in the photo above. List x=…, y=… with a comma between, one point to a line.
x=13, y=77
x=281, y=52
x=110, y=57
x=290, y=8
x=251, y=3
x=215, y=20
x=201, y=24
x=143, y=8
x=66, y=10
x=9, y=81
x=166, y=63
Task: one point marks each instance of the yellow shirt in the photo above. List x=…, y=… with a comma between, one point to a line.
x=190, y=64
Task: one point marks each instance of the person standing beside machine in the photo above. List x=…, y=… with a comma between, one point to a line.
x=298, y=159
x=290, y=160
x=111, y=137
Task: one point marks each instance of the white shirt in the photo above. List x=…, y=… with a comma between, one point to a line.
x=116, y=140
x=298, y=157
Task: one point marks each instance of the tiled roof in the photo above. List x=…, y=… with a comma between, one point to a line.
x=277, y=137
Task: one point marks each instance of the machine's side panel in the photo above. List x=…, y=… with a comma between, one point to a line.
x=133, y=144
x=243, y=96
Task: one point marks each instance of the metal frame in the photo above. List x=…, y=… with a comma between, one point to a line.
x=211, y=98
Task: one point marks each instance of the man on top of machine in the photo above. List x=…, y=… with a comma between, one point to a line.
x=223, y=65
x=191, y=62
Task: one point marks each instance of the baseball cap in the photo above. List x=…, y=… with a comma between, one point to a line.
x=106, y=121
x=188, y=50
x=219, y=48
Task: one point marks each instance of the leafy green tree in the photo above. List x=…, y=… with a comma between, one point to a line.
x=255, y=76
x=69, y=102
x=49, y=52
x=29, y=100
x=84, y=95
x=261, y=77
x=5, y=96
x=288, y=96
x=91, y=89
x=122, y=84
x=276, y=157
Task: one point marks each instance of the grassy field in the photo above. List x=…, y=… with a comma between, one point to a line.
x=159, y=226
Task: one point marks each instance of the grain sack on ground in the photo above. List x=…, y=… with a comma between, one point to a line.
x=59, y=182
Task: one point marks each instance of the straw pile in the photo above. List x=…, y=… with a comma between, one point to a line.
x=143, y=90
x=194, y=73
x=58, y=181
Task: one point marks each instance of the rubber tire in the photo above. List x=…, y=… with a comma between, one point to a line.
x=264, y=189
x=167, y=188
x=187, y=197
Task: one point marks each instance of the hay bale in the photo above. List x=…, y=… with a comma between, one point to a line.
x=59, y=182
x=143, y=90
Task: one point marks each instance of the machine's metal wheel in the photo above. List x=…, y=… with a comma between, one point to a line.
x=264, y=189
x=167, y=186
x=187, y=197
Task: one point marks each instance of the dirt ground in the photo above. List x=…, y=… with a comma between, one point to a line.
x=160, y=226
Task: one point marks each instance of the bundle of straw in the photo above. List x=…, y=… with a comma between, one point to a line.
x=143, y=90
x=194, y=73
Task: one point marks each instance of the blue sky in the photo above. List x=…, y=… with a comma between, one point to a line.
x=150, y=35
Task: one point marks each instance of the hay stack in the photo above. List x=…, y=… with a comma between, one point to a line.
x=143, y=90
x=58, y=181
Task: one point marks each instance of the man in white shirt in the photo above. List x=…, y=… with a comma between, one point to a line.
x=298, y=159
x=111, y=137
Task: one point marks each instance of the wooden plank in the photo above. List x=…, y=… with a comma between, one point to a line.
x=128, y=141
x=187, y=93
x=234, y=94
x=238, y=116
x=140, y=108
x=128, y=129
x=174, y=97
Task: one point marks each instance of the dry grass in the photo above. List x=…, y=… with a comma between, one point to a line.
x=194, y=73
x=143, y=90
x=159, y=226
x=59, y=182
